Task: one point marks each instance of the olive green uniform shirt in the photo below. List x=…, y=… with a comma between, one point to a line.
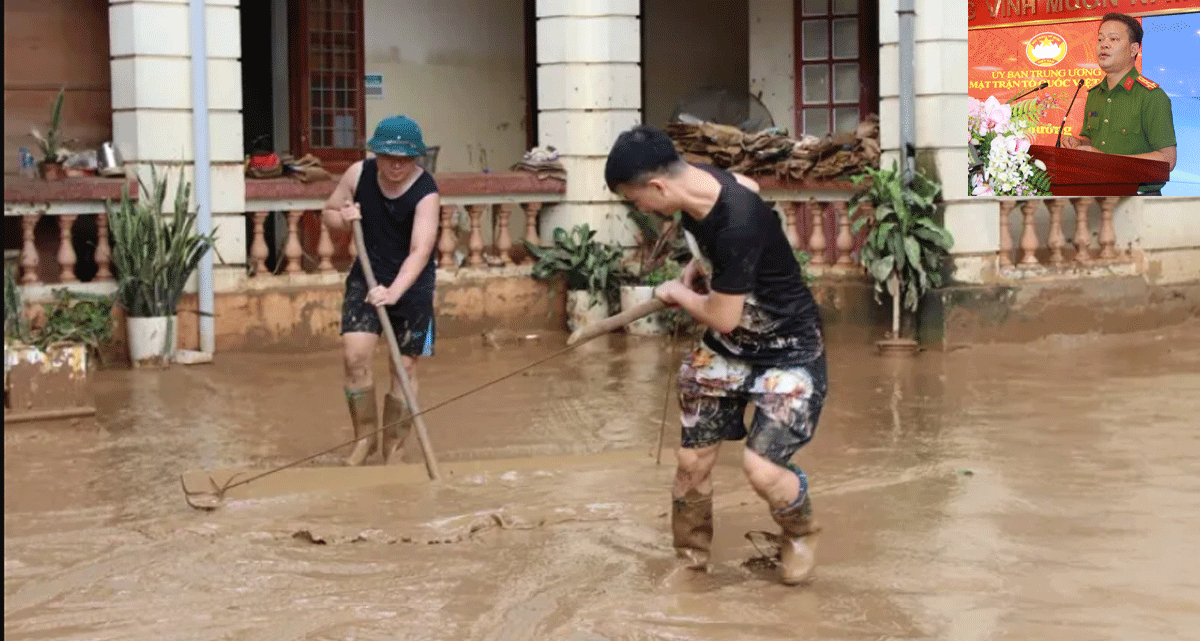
x=1132, y=118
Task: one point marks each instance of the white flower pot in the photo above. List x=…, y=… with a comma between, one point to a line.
x=584, y=309
x=652, y=325
x=153, y=341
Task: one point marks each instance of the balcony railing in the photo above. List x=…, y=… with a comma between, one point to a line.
x=816, y=220
x=1059, y=235
x=483, y=219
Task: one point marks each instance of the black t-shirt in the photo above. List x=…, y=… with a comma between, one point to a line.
x=745, y=251
x=387, y=232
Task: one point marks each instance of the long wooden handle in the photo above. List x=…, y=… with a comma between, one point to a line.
x=616, y=321
x=431, y=464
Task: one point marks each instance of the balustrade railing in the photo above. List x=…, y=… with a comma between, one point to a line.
x=823, y=229
x=471, y=233
x=483, y=230
x=1059, y=233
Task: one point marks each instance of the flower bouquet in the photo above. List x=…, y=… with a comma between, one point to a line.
x=998, y=151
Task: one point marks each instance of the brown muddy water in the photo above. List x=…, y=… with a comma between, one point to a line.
x=1046, y=491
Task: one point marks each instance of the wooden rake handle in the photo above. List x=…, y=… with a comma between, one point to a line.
x=431, y=464
x=616, y=321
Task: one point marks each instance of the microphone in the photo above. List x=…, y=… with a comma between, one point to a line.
x=1064, y=122
x=1037, y=88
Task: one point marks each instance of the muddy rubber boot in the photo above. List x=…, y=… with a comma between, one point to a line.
x=798, y=543
x=364, y=415
x=396, y=427
x=692, y=524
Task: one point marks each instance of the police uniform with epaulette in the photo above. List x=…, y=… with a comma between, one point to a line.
x=1134, y=117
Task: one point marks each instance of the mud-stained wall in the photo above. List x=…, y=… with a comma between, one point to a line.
x=458, y=69
x=971, y=314
x=52, y=45
x=309, y=318
x=690, y=44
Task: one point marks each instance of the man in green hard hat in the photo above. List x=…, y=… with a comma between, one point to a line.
x=1126, y=113
x=398, y=204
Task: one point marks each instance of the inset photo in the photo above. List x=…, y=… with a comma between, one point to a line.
x=1067, y=99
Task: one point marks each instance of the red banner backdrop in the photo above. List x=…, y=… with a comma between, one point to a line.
x=1008, y=62
x=990, y=14
x=1015, y=45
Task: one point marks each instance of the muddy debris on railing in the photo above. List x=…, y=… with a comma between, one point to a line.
x=771, y=153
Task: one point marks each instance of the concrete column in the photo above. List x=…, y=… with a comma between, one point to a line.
x=940, y=86
x=941, y=116
x=589, y=91
x=152, y=107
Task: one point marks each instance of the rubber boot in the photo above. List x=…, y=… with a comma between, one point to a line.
x=396, y=426
x=364, y=415
x=692, y=524
x=798, y=543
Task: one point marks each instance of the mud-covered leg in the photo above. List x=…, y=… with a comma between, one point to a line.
x=798, y=543
x=365, y=418
x=692, y=506
x=396, y=427
x=789, y=402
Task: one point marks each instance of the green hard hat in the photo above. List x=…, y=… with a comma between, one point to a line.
x=397, y=136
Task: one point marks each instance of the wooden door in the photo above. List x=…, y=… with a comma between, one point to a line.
x=328, y=109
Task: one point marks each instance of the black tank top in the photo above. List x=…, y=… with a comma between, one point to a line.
x=387, y=231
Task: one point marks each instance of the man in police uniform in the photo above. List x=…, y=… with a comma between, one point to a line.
x=1126, y=114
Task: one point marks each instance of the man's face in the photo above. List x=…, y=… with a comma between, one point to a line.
x=653, y=197
x=396, y=168
x=1114, y=50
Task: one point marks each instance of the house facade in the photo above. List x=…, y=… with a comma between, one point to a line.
x=487, y=81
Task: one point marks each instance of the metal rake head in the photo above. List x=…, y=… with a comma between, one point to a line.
x=207, y=500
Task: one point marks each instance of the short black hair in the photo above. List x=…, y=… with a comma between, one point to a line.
x=640, y=154
x=1131, y=23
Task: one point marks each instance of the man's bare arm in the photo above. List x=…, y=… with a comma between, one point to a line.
x=342, y=194
x=424, y=237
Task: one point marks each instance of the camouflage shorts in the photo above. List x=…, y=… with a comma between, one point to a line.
x=414, y=324
x=714, y=392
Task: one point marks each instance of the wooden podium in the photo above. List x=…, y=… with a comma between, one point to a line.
x=1074, y=172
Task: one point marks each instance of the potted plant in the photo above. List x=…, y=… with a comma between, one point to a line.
x=905, y=248
x=47, y=367
x=655, y=260
x=54, y=153
x=588, y=268
x=154, y=254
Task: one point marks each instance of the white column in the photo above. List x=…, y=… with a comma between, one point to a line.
x=589, y=91
x=941, y=116
x=152, y=107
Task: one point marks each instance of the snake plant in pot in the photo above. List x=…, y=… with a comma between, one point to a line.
x=155, y=254
x=588, y=267
x=905, y=248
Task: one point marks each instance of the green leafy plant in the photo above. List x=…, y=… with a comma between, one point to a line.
x=585, y=263
x=804, y=258
x=72, y=317
x=75, y=317
x=16, y=325
x=51, y=145
x=905, y=248
x=154, y=253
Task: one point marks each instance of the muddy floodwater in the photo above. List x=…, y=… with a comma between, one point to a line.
x=1043, y=491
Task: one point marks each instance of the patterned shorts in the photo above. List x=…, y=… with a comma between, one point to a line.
x=714, y=392
x=414, y=324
